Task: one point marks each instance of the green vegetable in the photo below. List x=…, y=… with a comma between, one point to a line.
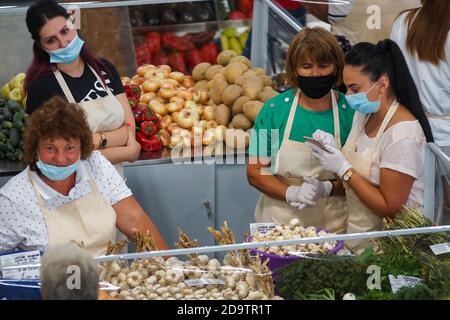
x=7, y=124
x=324, y=294
x=308, y=275
x=14, y=137
x=18, y=120
x=2, y=136
x=7, y=114
x=419, y=292
x=377, y=295
x=13, y=106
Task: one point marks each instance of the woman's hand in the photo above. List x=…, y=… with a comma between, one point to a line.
x=332, y=160
x=324, y=137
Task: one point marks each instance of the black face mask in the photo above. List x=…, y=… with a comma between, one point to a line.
x=316, y=87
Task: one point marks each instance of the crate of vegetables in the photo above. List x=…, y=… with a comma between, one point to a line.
x=282, y=256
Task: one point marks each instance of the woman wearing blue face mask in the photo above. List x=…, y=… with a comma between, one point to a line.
x=63, y=66
x=67, y=192
x=382, y=162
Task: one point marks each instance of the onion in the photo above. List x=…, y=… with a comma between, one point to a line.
x=209, y=137
x=167, y=93
x=150, y=85
x=188, y=82
x=211, y=124
x=187, y=117
x=146, y=97
x=166, y=121
x=164, y=67
x=178, y=76
x=174, y=106
x=164, y=135
x=208, y=113
x=158, y=107
x=220, y=132
x=144, y=68
x=184, y=94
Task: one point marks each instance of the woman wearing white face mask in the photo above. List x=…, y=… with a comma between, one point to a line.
x=67, y=192
x=64, y=66
x=382, y=162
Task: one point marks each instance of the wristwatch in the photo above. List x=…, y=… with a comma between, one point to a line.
x=103, y=141
x=348, y=174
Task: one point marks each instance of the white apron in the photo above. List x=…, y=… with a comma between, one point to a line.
x=293, y=162
x=360, y=217
x=355, y=26
x=103, y=114
x=89, y=221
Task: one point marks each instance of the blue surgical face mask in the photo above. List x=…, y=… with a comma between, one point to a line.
x=68, y=54
x=361, y=103
x=57, y=173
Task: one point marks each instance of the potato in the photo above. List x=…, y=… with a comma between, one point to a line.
x=234, y=70
x=252, y=87
x=216, y=92
x=240, y=121
x=237, y=138
x=237, y=105
x=240, y=81
x=266, y=81
x=201, y=85
x=225, y=56
x=251, y=109
x=222, y=114
x=241, y=59
x=230, y=94
x=200, y=70
x=259, y=71
x=212, y=71
x=250, y=73
x=267, y=94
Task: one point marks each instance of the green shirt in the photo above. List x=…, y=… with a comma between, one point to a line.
x=275, y=113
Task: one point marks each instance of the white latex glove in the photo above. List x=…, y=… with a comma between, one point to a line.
x=324, y=137
x=302, y=196
x=332, y=160
x=323, y=187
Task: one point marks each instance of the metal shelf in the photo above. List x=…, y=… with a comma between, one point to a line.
x=194, y=27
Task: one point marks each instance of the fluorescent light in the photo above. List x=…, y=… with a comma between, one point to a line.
x=7, y=7
x=77, y=3
x=336, y=2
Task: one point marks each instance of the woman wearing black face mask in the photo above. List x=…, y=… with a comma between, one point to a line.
x=297, y=186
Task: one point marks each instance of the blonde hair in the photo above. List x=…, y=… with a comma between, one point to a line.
x=316, y=44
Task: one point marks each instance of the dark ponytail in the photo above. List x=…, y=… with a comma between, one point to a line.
x=387, y=58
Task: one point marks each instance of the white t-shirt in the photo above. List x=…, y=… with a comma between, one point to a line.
x=432, y=82
x=22, y=223
x=402, y=148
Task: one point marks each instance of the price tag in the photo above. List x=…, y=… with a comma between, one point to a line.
x=403, y=281
x=440, y=248
x=261, y=228
x=18, y=259
x=203, y=281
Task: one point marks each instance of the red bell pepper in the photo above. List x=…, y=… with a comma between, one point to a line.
x=143, y=54
x=138, y=113
x=209, y=53
x=153, y=40
x=132, y=91
x=148, y=128
x=148, y=144
x=171, y=41
x=193, y=57
x=245, y=6
x=176, y=61
x=149, y=115
x=133, y=102
x=159, y=58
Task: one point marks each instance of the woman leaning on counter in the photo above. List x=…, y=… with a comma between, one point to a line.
x=64, y=66
x=297, y=186
x=68, y=192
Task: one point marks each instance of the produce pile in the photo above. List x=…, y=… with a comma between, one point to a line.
x=12, y=119
x=239, y=277
x=218, y=103
x=181, y=53
x=332, y=277
x=294, y=230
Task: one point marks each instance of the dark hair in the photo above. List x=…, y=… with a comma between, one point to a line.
x=387, y=58
x=56, y=118
x=38, y=14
